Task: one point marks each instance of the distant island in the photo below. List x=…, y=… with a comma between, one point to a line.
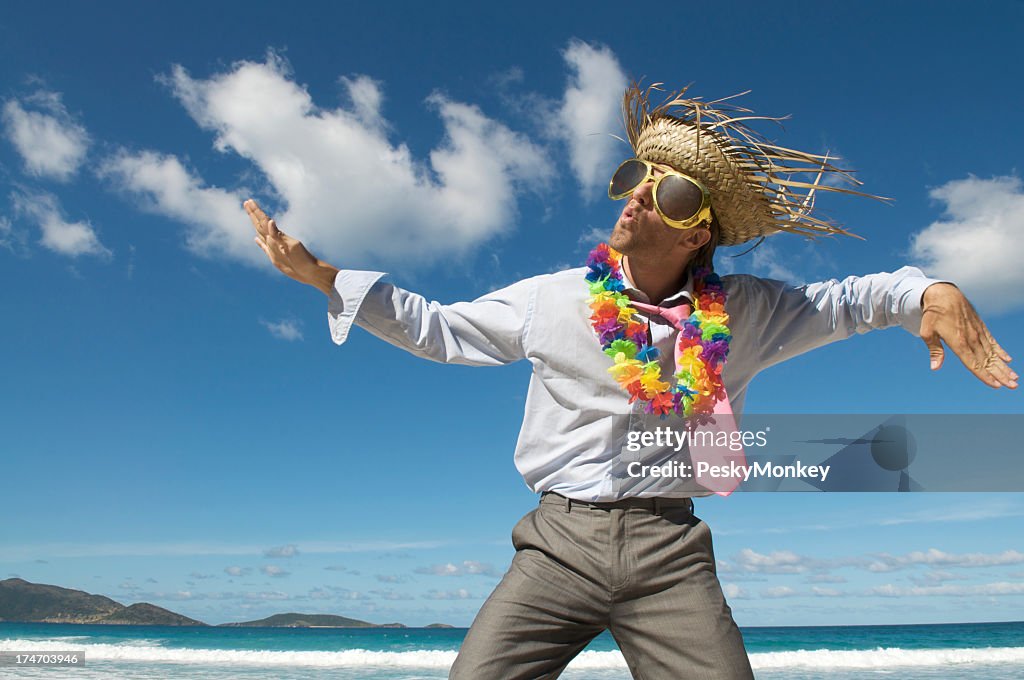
x=25, y=602
x=310, y=621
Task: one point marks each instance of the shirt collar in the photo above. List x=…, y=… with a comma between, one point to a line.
x=684, y=293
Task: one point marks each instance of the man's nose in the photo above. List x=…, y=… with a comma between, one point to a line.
x=642, y=193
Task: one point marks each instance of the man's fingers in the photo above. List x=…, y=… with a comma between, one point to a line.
x=998, y=349
x=263, y=247
x=257, y=216
x=272, y=228
x=985, y=363
x=1003, y=374
x=993, y=359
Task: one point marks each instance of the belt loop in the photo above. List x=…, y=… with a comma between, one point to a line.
x=568, y=504
x=657, y=506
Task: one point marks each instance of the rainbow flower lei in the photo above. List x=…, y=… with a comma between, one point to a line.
x=703, y=342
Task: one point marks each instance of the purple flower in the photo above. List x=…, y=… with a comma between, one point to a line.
x=715, y=352
x=691, y=330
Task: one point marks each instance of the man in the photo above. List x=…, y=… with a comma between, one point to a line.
x=606, y=549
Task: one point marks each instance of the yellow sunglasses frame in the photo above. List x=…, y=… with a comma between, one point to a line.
x=703, y=213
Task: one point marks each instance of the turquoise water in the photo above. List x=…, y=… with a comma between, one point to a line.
x=993, y=651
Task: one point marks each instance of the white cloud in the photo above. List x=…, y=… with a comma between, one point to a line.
x=937, y=558
x=460, y=594
x=734, y=592
x=346, y=594
x=977, y=242
x=590, y=112
x=931, y=578
x=591, y=237
x=778, y=562
x=59, y=235
x=274, y=570
x=26, y=551
x=764, y=260
x=768, y=261
x=350, y=192
x=468, y=567
x=391, y=595
x=7, y=235
x=825, y=578
x=986, y=511
x=50, y=142
x=826, y=592
x=181, y=595
x=343, y=569
x=286, y=329
x=290, y=550
x=237, y=571
x=217, y=223
x=778, y=592
x=984, y=589
x=392, y=578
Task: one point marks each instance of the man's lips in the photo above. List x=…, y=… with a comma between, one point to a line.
x=627, y=218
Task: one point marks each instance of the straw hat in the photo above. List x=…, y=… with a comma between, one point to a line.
x=756, y=188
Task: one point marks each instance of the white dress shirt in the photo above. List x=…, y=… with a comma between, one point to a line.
x=576, y=415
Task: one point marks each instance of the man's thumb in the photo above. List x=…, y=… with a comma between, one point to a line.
x=935, y=350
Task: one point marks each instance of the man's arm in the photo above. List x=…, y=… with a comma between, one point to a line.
x=794, y=320
x=489, y=331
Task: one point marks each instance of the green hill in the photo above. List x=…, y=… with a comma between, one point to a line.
x=293, y=620
x=25, y=602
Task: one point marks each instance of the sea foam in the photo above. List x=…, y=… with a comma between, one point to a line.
x=822, y=659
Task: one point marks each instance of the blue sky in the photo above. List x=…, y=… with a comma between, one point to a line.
x=177, y=427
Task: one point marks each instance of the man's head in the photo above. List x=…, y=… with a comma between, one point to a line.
x=667, y=214
x=753, y=187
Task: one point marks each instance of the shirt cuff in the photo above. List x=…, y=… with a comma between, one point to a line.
x=908, y=299
x=350, y=288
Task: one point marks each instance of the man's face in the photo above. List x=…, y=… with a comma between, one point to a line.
x=640, y=231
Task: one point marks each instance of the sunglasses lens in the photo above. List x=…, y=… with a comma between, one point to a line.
x=679, y=198
x=627, y=177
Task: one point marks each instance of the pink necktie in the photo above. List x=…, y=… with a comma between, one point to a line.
x=724, y=422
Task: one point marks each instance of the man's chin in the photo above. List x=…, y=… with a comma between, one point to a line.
x=620, y=240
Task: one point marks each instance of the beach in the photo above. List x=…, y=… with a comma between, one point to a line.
x=994, y=651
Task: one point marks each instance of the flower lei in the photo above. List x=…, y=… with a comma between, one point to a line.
x=703, y=342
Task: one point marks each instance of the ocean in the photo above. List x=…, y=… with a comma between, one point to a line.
x=987, y=651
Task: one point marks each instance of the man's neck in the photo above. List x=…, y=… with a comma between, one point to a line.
x=656, y=280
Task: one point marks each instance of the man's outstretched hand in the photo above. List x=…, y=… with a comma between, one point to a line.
x=287, y=253
x=949, y=317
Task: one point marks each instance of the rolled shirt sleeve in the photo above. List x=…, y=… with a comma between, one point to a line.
x=797, y=319
x=488, y=331
x=345, y=299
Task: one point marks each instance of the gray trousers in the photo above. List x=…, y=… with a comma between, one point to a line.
x=642, y=568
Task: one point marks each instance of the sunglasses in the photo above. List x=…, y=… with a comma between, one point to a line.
x=682, y=201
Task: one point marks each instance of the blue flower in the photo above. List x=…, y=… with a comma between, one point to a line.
x=648, y=353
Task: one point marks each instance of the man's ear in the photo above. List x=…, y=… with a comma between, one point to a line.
x=696, y=238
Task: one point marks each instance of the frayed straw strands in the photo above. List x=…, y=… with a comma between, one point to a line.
x=756, y=187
